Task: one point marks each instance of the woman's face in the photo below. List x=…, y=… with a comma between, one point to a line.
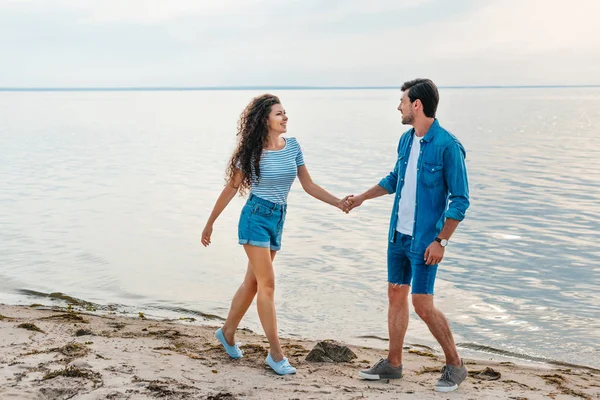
x=277, y=122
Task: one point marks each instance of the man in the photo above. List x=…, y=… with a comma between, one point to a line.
x=432, y=196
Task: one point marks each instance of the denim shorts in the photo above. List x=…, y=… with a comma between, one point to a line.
x=409, y=268
x=261, y=223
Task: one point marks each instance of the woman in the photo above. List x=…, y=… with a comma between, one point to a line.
x=265, y=164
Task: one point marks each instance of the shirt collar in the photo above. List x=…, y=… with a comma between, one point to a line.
x=432, y=130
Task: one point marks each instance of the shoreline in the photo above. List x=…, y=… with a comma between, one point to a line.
x=109, y=356
x=472, y=349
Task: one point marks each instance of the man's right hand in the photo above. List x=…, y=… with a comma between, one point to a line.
x=352, y=202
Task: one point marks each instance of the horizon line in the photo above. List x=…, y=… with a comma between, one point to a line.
x=274, y=87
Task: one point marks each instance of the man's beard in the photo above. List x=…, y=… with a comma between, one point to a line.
x=407, y=119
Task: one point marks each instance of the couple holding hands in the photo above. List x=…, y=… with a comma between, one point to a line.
x=429, y=180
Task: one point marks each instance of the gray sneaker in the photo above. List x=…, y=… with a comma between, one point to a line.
x=451, y=377
x=381, y=370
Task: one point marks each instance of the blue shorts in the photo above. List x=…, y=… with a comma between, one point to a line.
x=261, y=223
x=409, y=268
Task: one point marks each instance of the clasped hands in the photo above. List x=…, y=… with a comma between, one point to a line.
x=350, y=202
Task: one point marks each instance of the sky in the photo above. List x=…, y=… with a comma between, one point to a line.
x=149, y=43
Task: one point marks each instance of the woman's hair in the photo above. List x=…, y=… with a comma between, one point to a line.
x=252, y=136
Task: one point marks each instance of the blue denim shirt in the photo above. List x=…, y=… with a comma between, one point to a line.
x=442, y=186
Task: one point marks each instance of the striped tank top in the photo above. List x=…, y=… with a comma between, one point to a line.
x=278, y=170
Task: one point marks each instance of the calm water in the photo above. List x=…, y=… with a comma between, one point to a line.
x=103, y=196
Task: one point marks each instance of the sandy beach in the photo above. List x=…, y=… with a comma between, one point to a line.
x=57, y=353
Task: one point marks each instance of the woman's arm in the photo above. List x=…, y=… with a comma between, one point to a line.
x=227, y=194
x=315, y=190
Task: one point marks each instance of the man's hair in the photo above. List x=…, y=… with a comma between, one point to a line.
x=426, y=91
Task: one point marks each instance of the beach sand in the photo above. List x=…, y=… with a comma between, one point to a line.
x=82, y=355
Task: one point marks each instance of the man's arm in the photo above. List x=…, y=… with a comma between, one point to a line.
x=389, y=184
x=455, y=174
x=448, y=229
x=355, y=201
x=385, y=186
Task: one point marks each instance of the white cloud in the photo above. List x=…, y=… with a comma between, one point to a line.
x=152, y=11
x=353, y=7
x=297, y=42
x=140, y=11
x=523, y=27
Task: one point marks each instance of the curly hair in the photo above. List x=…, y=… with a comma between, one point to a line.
x=252, y=137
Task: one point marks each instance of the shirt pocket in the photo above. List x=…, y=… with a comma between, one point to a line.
x=432, y=175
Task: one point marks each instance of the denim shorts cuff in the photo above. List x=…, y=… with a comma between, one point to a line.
x=275, y=248
x=399, y=283
x=430, y=294
x=255, y=243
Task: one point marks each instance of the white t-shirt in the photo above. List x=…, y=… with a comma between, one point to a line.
x=408, y=195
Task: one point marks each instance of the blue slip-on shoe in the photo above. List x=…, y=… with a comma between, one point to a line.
x=282, y=367
x=234, y=351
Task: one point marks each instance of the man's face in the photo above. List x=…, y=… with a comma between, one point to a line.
x=406, y=109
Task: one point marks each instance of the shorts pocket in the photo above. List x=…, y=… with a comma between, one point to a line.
x=262, y=210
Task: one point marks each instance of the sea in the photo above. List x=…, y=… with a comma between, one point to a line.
x=104, y=195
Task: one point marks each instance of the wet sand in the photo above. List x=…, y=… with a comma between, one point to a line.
x=56, y=353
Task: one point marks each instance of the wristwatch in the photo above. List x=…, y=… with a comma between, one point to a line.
x=442, y=242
